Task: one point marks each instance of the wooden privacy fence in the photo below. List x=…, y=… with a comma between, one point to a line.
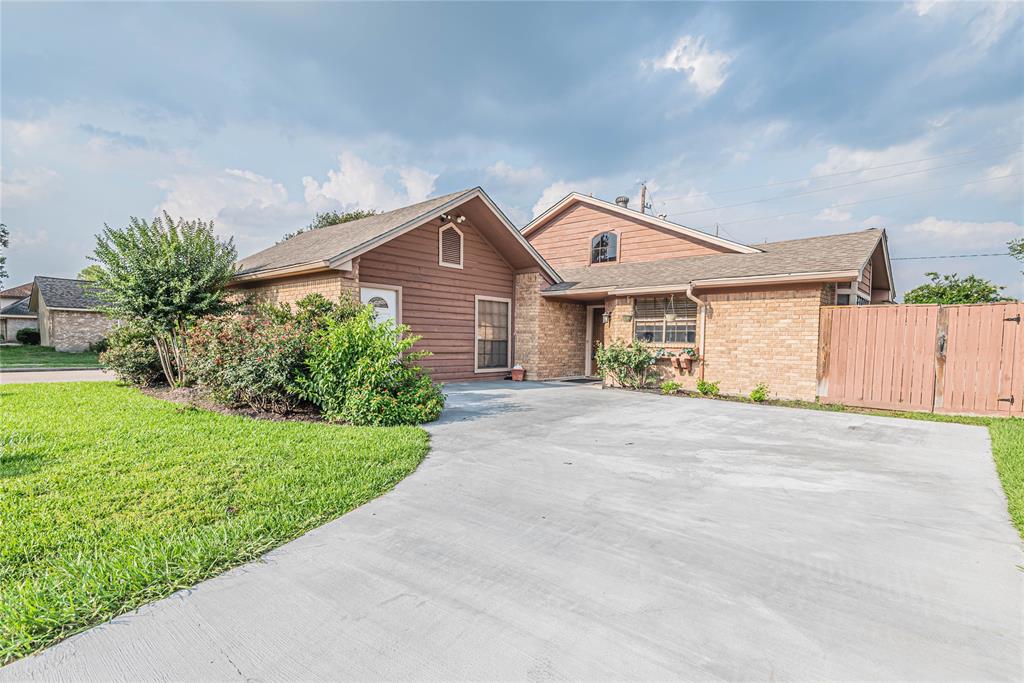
x=947, y=359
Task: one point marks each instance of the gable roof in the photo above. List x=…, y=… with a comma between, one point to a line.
x=19, y=291
x=660, y=223
x=19, y=309
x=332, y=246
x=59, y=292
x=812, y=258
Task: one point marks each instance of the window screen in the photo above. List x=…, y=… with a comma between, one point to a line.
x=653, y=326
x=492, y=334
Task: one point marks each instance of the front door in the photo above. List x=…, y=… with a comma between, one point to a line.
x=596, y=335
x=384, y=302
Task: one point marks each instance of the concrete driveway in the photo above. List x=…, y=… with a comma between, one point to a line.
x=568, y=532
x=34, y=376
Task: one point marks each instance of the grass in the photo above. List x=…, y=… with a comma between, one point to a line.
x=110, y=499
x=1006, y=433
x=45, y=357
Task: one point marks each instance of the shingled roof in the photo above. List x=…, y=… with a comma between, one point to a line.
x=19, y=291
x=58, y=292
x=320, y=245
x=19, y=309
x=812, y=255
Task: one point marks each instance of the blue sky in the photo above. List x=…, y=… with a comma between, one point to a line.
x=257, y=115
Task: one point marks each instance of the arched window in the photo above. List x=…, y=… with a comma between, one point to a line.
x=449, y=246
x=604, y=248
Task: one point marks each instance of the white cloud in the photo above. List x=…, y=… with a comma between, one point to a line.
x=705, y=69
x=510, y=175
x=1005, y=181
x=833, y=215
x=357, y=183
x=22, y=185
x=841, y=159
x=551, y=194
x=962, y=233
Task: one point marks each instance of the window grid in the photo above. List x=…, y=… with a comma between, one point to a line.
x=492, y=332
x=604, y=248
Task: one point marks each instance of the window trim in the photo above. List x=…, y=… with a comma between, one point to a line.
x=476, y=334
x=440, y=247
x=590, y=248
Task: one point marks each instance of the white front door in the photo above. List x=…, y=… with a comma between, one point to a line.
x=384, y=302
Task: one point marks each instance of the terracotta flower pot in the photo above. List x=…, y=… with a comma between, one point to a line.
x=518, y=374
x=687, y=363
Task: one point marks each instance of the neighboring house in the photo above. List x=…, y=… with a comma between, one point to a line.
x=69, y=313
x=16, y=316
x=15, y=294
x=484, y=295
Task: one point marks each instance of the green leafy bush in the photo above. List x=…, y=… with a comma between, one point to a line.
x=760, y=393
x=132, y=356
x=707, y=388
x=253, y=357
x=628, y=364
x=669, y=387
x=99, y=346
x=27, y=335
x=362, y=372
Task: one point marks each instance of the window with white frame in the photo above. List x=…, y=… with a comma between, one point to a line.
x=493, y=333
x=604, y=248
x=665, y=320
x=449, y=246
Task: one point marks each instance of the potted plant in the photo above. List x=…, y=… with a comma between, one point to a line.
x=689, y=355
x=518, y=373
x=670, y=314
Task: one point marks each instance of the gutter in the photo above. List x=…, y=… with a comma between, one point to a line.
x=702, y=306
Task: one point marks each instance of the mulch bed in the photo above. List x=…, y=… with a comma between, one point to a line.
x=199, y=398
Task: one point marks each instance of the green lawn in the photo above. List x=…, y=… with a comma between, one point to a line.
x=110, y=499
x=45, y=357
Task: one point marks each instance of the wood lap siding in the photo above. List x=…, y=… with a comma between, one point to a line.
x=565, y=241
x=438, y=302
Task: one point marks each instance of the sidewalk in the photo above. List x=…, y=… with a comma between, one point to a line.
x=31, y=376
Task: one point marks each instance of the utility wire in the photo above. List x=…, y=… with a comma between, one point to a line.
x=828, y=189
x=873, y=199
x=838, y=173
x=917, y=258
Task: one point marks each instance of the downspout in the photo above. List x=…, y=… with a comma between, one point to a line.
x=703, y=323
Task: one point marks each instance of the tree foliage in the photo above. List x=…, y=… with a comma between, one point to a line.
x=92, y=272
x=164, y=275
x=5, y=241
x=952, y=289
x=326, y=218
x=1017, y=249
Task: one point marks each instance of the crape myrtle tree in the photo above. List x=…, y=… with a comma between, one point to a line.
x=164, y=275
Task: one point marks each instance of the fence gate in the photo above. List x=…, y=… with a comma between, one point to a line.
x=953, y=359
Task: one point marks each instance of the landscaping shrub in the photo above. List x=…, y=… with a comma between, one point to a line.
x=760, y=393
x=669, y=387
x=253, y=358
x=707, y=388
x=27, y=335
x=628, y=364
x=99, y=346
x=361, y=372
x=132, y=355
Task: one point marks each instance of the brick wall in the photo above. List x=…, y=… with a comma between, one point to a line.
x=75, y=330
x=550, y=336
x=765, y=335
x=9, y=326
x=288, y=290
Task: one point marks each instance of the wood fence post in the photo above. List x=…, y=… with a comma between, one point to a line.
x=941, y=342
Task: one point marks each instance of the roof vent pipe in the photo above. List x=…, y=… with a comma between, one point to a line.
x=623, y=201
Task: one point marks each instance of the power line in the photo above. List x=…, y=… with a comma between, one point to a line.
x=917, y=258
x=828, y=189
x=874, y=199
x=838, y=173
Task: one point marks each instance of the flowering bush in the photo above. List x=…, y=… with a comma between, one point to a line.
x=362, y=372
x=628, y=364
x=132, y=355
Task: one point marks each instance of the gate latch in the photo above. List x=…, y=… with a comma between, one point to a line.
x=1007, y=400
x=1014, y=319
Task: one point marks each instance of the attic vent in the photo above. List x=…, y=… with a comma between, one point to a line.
x=450, y=246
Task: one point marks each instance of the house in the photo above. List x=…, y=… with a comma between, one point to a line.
x=484, y=295
x=14, y=294
x=70, y=315
x=14, y=317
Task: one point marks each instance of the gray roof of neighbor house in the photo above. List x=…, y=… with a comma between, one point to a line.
x=19, y=291
x=334, y=240
x=830, y=253
x=60, y=292
x=18, y=308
